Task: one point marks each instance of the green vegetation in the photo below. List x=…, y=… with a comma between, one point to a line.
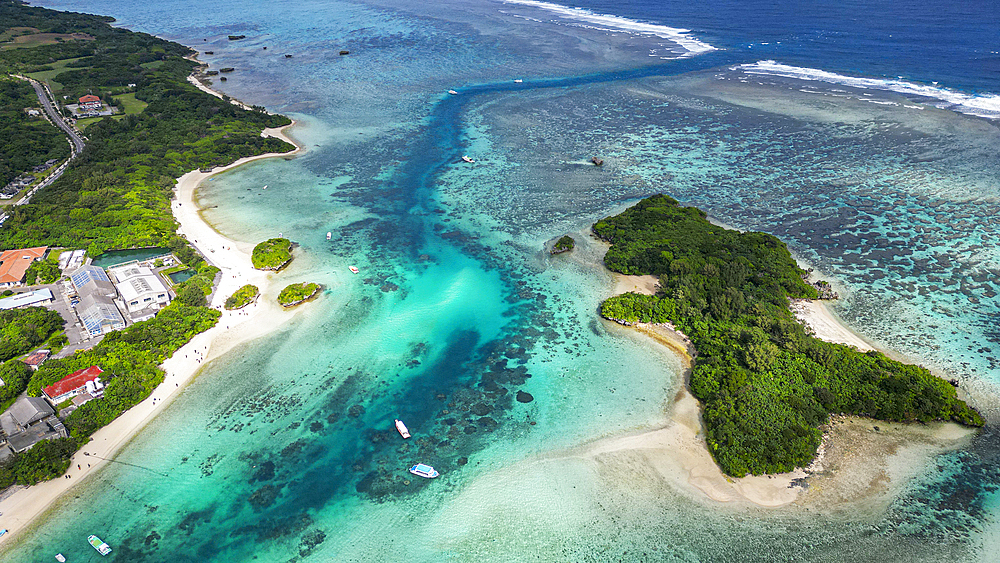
x=272, y=254
x=130, y=105
x=765, y=384
x=25, y=141
x=43, y=271
x=117, y=194
x=297, y=293
x=23, y=329
x=45, y=460
x=193, y=291
x=130, y=360
x=15, y=375
x=242, y=297
x=564, y=244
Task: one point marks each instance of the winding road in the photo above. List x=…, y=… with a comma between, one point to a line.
x=76, y=141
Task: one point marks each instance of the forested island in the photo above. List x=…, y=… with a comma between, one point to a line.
x=116, y=195
x=764, y=382
x=297, y=293
x=272, y=254
x=242, y=297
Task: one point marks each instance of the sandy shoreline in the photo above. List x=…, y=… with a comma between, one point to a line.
x=855, y=462
x=24, y=507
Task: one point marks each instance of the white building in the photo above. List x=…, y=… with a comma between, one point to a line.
x=37, y=297
x=140, y=289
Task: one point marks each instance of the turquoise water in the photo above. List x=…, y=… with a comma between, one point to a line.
x=115, y=257
x=284, y=449
x=182, y=276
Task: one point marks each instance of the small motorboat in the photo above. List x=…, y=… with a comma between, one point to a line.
x=452, y=92
x=423, y=470
x=329, y=235
x=518, y=81
x=60, y=558
x=265, y=186
x=467, y=158
x=353, y=269
x=401, y=428
x=98, y=544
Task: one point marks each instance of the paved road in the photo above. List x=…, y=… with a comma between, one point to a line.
x=75, y=140
x=49, y=106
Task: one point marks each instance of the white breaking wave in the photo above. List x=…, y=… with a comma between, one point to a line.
x=982, y=105
x=618, y=23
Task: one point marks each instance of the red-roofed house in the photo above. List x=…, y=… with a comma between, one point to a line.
x=90, y=101
x=14, y=263
x=36, y=359
x=74, y=384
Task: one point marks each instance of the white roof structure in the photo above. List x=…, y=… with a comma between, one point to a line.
x=25, y=299
x=139, y=287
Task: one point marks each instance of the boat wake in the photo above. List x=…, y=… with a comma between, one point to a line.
x=610, y=22
x=983, y=105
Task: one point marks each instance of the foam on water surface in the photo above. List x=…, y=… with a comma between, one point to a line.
x=284, y=449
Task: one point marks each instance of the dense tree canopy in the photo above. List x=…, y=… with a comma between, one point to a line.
x=23, y=329
x=297, y=292
x=25, y=141
x=765, y=383
x=272, y=254
x=117, y=194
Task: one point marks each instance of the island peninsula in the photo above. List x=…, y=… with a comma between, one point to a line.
x=764, y=382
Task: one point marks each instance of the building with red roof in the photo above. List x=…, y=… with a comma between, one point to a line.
x=90, y=101
x=74, y=384
x=14, y=264
x=36, y=359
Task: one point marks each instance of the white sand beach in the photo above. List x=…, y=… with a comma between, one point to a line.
x=815, y=314
x=856, y=463
x=234, y=327
x=646, y=285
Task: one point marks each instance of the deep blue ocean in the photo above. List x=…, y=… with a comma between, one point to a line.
x=864, y=134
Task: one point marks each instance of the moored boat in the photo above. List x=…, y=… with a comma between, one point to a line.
x=98, y=544
x=353, y=269
x=329, y=235
x=518, y=81
x=467, y=158
x=452, y=92
x=424, y=470
x=401, y=428
x=60, y=558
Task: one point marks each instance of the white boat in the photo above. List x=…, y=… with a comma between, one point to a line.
x=518, y=81
x=401, y=428
x=265, y=187
x=353, y=269
x=467, y=158
x=98, y=544
x=60, y=558
x=329, y=235
x=423, y=470
x=452, y=92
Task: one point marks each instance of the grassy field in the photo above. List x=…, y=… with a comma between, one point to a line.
x=130, y=104
x=83, y=123
x=13, y=32
x=47, y=76
x=29, y=40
